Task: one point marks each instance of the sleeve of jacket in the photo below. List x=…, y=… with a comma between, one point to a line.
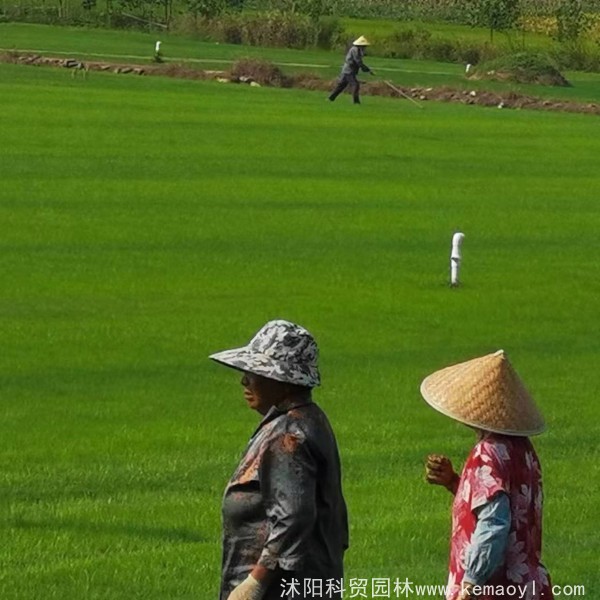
x=287, y=477
x=358, y=57
x=489, y=541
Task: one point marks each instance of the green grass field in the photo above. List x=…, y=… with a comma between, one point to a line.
x=147, y=222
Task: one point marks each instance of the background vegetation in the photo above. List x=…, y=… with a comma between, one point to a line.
x=147, y=222
x=570, y=28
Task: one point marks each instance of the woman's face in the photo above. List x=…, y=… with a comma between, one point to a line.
x=261, y=393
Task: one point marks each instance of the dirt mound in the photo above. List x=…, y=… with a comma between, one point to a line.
x=522, y=77
x=522, y=67
x=183, y=72
x=310, y=81
x=261, y=71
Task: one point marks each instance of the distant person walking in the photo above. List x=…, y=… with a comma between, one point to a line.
x=352, y=64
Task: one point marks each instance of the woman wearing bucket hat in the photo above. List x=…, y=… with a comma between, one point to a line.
x=285, y=524
x=352, y=64
x=497, y=512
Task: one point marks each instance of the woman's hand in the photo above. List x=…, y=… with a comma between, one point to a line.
x=467, y=592
x=249, y=589
x=439, y=471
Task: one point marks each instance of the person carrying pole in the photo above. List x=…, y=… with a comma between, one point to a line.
x=352, y=64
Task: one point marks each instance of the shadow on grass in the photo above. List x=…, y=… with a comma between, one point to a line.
x=171, y=534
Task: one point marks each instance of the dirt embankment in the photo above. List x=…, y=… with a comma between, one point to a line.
x=260, y=73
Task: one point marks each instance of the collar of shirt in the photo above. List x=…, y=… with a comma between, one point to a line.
x=282, y=409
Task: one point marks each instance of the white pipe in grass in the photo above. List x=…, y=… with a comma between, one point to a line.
x=455, y=257
x=157, y=48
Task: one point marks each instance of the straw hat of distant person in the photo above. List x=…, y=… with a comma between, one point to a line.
x=485, y=393
x=361, y=41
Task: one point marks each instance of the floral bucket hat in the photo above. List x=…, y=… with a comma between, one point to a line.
x=280, y=350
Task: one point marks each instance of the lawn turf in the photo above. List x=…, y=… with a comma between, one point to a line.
x=147, y=222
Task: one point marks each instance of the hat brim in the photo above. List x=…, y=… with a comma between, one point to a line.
x=247, y=360
x=456, y=416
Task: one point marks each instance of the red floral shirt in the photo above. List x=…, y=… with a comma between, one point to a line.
x=509, y=464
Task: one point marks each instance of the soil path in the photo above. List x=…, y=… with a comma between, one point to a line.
x=509, y=100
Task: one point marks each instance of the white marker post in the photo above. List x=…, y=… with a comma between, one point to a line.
x=157, y=53
x=455, y=256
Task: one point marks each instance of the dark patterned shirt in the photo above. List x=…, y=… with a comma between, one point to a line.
x=284, y=507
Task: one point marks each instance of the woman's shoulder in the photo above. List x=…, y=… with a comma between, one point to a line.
x=304, y=421
x=501, y=447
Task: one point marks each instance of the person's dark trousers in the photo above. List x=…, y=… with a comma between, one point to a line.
x=345, y=81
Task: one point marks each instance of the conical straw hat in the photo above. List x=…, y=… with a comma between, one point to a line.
x=361, y=41
x=485, y=393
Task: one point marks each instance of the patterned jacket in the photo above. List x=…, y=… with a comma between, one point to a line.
x=509, y=465
x=284, y=507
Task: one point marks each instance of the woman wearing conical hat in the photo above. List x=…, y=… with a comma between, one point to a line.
x=497, y=511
